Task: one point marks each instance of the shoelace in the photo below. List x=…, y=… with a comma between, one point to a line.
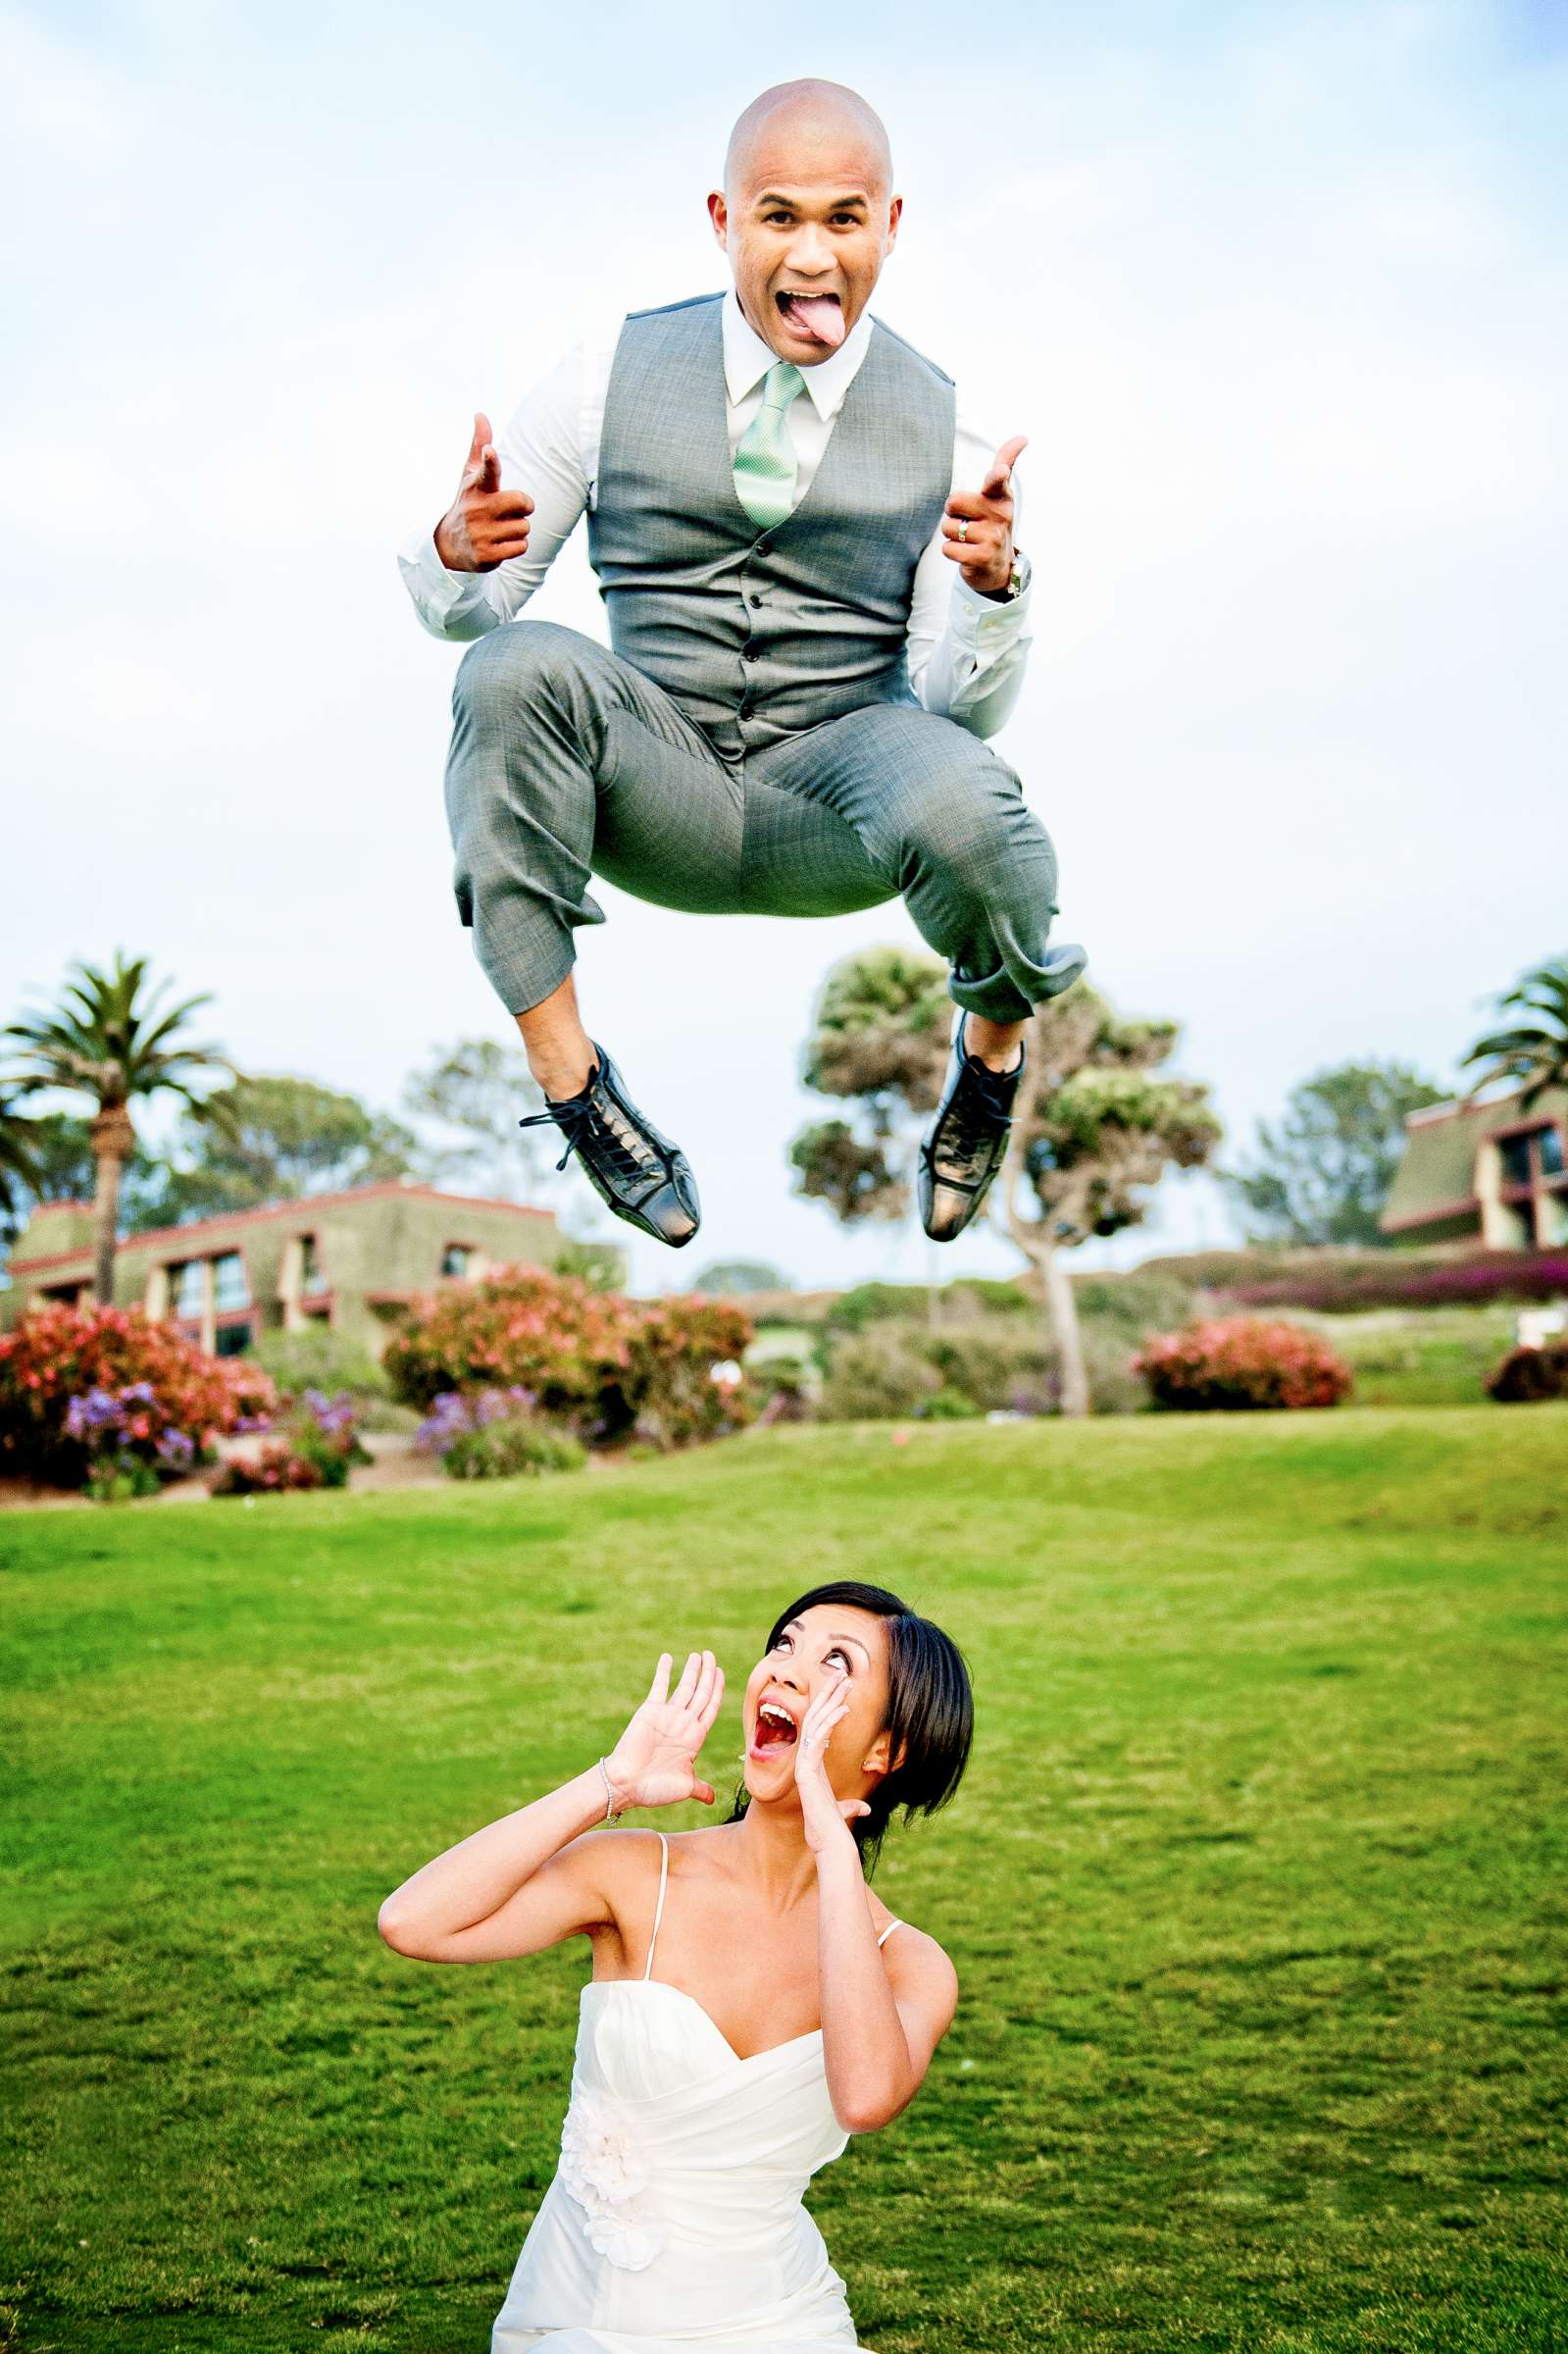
x=980, y=1102
x=578, y=1119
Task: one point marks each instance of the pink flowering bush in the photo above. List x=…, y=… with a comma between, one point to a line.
x=612, y=1368
x=1237, y=1362
x=82, y=1389
x=275, y=1468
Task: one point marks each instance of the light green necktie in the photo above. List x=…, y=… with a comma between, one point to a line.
x=765, y=462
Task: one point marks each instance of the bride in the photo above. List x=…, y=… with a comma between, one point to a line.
x=750, y=2005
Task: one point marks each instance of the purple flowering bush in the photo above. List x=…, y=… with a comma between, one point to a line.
x=494, y=1434
x=453, y=1412
x=104, y=1400
x=114, y=1429
x=319, y=1446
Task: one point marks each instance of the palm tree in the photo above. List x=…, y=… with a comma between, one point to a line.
x=1536, y=1051
x=17, y=1171
x=109, y=1040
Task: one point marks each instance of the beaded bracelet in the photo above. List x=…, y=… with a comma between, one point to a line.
x=612, y=1813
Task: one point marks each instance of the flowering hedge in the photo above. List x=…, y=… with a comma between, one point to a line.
x=80, y=1386
x=1341, y=1281
x=1240, y=1362
x=611, y=1368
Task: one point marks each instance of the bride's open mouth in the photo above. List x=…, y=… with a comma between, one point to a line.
x=774, y=1731
x=814, y=317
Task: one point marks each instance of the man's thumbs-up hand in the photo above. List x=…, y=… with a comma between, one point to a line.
x=484, y=524
x=977, y=527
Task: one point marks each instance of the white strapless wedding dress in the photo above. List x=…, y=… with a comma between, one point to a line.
x=675, y=2218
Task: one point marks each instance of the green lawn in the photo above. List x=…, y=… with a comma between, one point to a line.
x=1253, y=1887
x=1419, y=1356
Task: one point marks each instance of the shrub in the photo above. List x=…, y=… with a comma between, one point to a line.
x=876, y=1304
x=275, y=1468
x=320, y=1358
x=947, y=1405
x=119, y=1478
x=80, y=1383
x=1135, y=1304
x=1240, y=1362
x=994, y=1360
x=1526, y=1375
x=455, y=1413
x=1110, y=1354
x=785, y=1386
x=511, y=1450
x=870, y=1303
x=615, y=1369
x=324, y=1432
x=319, y=1446
x=877, y=1377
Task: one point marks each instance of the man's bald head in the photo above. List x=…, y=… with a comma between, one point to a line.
x=806, y=125
x=806, y=215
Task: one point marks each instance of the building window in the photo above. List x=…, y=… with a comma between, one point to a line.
x=188, y=1289
x=311, y=1274
x=457, y=1259
x=1551, y=1162
x=232, y=1290
x=232, y=1340
x=1514, y=1154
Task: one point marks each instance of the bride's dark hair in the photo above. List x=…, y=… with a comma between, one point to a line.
x=930, y=1710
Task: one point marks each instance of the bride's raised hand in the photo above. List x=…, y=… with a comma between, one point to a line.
x=824, y=1813
x=654, y=1762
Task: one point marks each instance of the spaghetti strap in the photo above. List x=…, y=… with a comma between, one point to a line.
x=658, y=1912
x=889, y=1930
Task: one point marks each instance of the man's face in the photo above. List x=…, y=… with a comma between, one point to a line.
x=806, y=229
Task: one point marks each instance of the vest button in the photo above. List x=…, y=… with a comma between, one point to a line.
x=750, y=653
x=753, y=602
x=763, y=547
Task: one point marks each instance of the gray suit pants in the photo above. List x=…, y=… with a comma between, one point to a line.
x=567, y=763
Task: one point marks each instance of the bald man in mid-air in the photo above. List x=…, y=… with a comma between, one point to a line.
x=818, y=613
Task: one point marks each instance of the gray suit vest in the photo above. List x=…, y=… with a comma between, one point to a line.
x=761, y=634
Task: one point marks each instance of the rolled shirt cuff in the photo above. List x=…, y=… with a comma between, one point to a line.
x=990, y=622
x=438, y=594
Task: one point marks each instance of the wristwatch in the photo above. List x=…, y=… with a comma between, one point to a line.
x=1017, y=580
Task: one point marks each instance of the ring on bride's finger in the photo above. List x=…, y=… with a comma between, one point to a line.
x=963, y=527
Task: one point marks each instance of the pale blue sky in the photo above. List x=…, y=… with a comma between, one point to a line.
x=1277, y=291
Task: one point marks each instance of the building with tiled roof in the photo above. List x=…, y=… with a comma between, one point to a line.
x=1483, y=1174
x=354, y=1260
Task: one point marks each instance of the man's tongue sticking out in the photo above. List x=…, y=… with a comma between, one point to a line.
x=817, y=317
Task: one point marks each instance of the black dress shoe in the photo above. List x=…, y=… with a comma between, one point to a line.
x=966, y=1141
x=634, y=1170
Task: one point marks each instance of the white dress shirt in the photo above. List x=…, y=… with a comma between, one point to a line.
x=966, y=652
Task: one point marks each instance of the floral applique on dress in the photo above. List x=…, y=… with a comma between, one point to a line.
x=605, y=2168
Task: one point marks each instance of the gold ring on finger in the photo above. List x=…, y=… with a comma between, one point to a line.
x=963, y=527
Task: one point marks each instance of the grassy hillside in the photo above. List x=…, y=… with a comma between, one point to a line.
x=1255, y=1887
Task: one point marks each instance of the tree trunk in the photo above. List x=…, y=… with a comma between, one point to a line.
x=114, y=1140
x=1061, y=1308
x=1064, y=1323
